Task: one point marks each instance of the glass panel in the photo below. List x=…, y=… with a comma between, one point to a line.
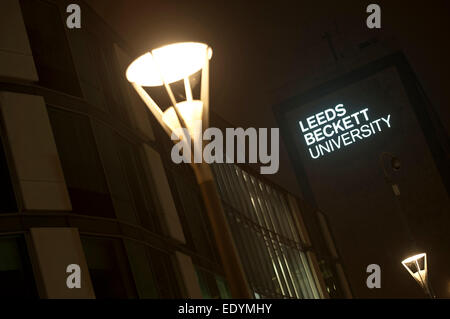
x=193, y=216
x=115, y=174
x=7, y=197
x=264, y=231
x=244, y=195
x=203, y=284
x=223, y=288
x=108, y=268
x=309, y=277
x=81, y=163
x=290, y=223
x=164, y=272
x=246, y=253
x=144, y=199
x=51, y=52
x=141, y=270
x=106, y=67
x=269, y=237
x=16, y=275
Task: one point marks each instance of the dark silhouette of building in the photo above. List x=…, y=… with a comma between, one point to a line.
x=379, y=210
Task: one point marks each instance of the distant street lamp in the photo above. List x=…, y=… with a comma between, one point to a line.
x=417, y=264
x=394, y=166
x=418, y=269
x=161, y=67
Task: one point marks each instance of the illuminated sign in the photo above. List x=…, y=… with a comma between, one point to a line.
x=333, y=129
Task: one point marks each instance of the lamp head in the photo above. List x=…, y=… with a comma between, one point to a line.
x=417, y=267
x=168, y=64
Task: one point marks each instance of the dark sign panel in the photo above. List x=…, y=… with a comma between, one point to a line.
x=367, y=155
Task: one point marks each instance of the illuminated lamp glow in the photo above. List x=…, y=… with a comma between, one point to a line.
x=418, y=273
x=190, y=111
x=169, y=63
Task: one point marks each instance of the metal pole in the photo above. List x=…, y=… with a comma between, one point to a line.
x=397, y=194
x=224, y=240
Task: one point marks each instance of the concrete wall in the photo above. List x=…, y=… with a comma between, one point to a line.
x=16, y=60
x=54, y=249
x=34, y=153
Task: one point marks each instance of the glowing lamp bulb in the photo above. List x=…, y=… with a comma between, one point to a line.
x=417, y=267
x=169, y=63
x=190, y=111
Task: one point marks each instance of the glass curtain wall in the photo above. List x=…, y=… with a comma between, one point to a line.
x=266, y=235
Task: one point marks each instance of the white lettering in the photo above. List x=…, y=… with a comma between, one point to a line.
x=374, y=19
x=74, y=279
x=74, y=19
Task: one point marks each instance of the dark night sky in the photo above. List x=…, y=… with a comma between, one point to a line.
x=261, y=46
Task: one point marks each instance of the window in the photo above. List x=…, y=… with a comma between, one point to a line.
x=192, y=212
x=81, y=164
x=222, y=285
x=16, y=276
x=106, y=66
x=7, y=197
x=115, y=174
x=206, y=294
x=266, y=237
x=108, y=268
x=141, y=269
x=133, y=195
x=51, y=53
x=212, y=286
x=143, y=196
x=165, y=274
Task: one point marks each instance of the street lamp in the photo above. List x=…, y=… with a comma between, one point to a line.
x=418, y=269
x=417, y=264
x=161, y=67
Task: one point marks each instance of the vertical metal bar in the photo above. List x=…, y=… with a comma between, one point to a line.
x=265, y=275
x=204, y=91
x=281, y=274
x=221, y=230
x=187, y=89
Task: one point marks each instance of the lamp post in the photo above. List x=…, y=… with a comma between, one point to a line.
x=184, y=121
x=394, y=166
x=417, y=264
x=418, y=268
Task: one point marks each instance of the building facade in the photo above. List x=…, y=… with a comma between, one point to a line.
x=86, y=180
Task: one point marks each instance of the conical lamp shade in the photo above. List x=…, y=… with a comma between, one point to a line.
x=417, y=268
x=170, y=63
